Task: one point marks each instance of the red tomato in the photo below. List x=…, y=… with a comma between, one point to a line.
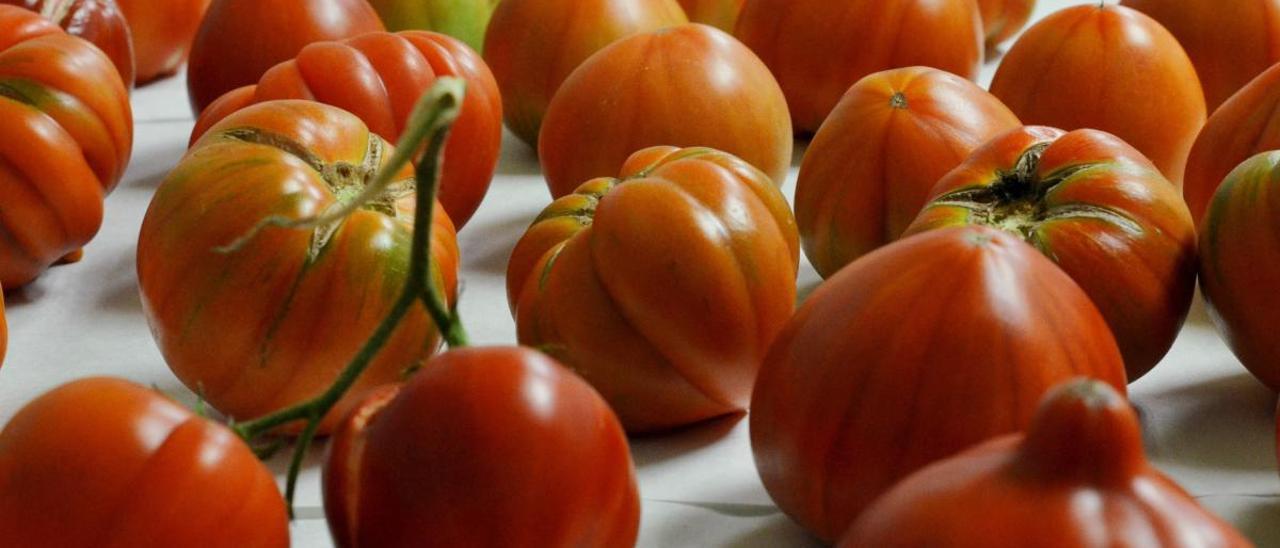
x=66, y=132
x=1243, y=126
x=4, y=328
x=1110, y=68
x=818, y=48
x=270, y=325
x=533, y=45
x=239, y=40
x=1098, y=209
x=379, y=77
x=1240, y=264
x=722, y=14
x=98, y=21
x=869, y=170
x=483, y=447
x=107, y=463
x=162, y=33
x=663, y=288
x=691, y=86
x=913, y=352
x=1001, y=19
x=1229, y=42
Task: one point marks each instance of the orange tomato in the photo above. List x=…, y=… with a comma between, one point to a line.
x=66, y=132
x=1109, y=68
x=818, y=48
x=721, y=14
x=162, y=33
x=98, y=21
x=270, y=325
x=664, y=287
x=1001, y=19
x=378, y=77
x=107, y=463
x=533, y=45
x=691, y=86
x=869, y=170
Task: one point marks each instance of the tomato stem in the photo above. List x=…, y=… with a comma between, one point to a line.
x=432, y=118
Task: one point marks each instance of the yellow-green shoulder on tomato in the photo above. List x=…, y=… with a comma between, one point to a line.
x=462, y=19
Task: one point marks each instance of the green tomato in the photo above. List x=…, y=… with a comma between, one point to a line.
x=462, y=19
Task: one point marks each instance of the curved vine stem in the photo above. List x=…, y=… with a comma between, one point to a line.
x=432, y=118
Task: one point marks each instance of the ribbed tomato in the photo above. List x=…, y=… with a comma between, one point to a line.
x=1098, y=209
x=869, y=170
x=687, y=86
x=483, y=447
x=107, y=463
x=270, y=325
x=664, y=287
x=162, y=33
x=378, y=77
x=1111, y=68
x=98, y=21
x=239, y=40
x=910, y=354
x=462, y=19
x=818, y=48
x=721, y=14
x=66, y=132
x=533, y=45
x=1001, y=19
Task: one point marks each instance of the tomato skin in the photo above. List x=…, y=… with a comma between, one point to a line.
x=239, y=40
x=1239, y=254
x=483, y=447
x=99, y=21
x=379, y=77
x=721, y=14
x=464, y=20
x=663, y=288
x=1001, y=19
x=107, y=463
x=66, y=133
x=868, y=171
x=1101, y=211
x=4, y=328
x=1230, y=43
x=270, y=325
x=911, y=353
x=162, y=32
x=533, y=45
x=820, y=48
x=690, y=85
x=1146, y=92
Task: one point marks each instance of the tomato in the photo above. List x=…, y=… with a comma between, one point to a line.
x=533, y=45
x=483, y=447
x=238, y=40
x=107, y=463
x=722, y=14
x=4, y=328
x=1245, y=125
x=664, y=287
x=462, y=19
x=1098, y=209
x=98, y=21
x=1109, y=68
x=1229, y=42
x=869, y=170
x=162, y=31
x=911, y=353
x=270, y=325
x=1240, y=262
x=379, y=77
x=690, y=85
x=66, y=132
x=1001, y=19
x=818, y=48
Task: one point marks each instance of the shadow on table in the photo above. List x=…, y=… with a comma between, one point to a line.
x=1222, y=423
x=648, y=449
x=155, y=163
x=487, y=248
x=1258, y=522
x=517, y=158
x=778, y=531
x=1199, y=315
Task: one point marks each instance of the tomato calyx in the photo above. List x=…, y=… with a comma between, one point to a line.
x=898, y=101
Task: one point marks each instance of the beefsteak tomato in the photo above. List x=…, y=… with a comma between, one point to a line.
x=98, y=21
x=162, y=32
x=378, y=77
x=462, y=19
x=1001, y=19
x=818, y=48
x=1098, y=209
x=483, y=447
x=238, y=40
x=270, y=325
x=1111, y=68
x=869, y=170
x=664, y=287
x=691, y=86
x=107, y=463
x=66, y=132
x=721, y=14
x=913, y=352
x=533, y=45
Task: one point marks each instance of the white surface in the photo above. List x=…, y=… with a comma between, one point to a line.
x=1207, y=422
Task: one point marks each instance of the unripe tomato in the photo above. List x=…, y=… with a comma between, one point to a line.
x=462, y=19
x=1001, y=19
x=721, y=14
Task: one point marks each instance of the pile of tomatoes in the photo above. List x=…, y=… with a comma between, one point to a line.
x=982, y=249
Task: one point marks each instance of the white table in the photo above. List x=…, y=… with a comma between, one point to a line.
x=1206, y=421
